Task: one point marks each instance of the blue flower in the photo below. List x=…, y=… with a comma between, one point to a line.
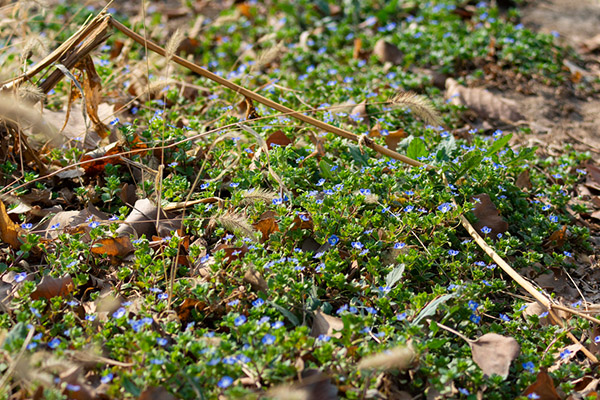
x=504, y=317
x=107, y=378
x=473, y=305
x=54, y=343
x=321, y=182
x=161, y=341
x=357, y=245
x=114, y=121
x=597, y=339
x=486, y=230
x=365, y=192
x=20, y=277
x=94, y=224
x=399, y=245
x=445, y=207
x=258, y=302
x=529, y=366
x=324, y=338
x=27, y=226
x=233, y=303
x=401, y=316
x=225, y=382
x=371, y=310
x=333, y=240
x=533, y=395
x=464, y=391
x=565, y=354
x=241, y=320
x=163, y=296
x=119, y=313
x=90, y=317
x=553, y=218
x=453, y=252
x=277, y=325
x=268, y=339
x=475, y=318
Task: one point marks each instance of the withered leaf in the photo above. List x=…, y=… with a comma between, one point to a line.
x=523, y=180
x=324, y=324
x=494, y=353
x=400, y=358
x=266, y=225
x=486, y=104
x=118, y=246
x=156, y=393
x=50, y=287
x=387, y=52
x=9, y=231
x=557, y=239
x=278, y=138
x=255, y=279
x=543, y=387
x=487, y=215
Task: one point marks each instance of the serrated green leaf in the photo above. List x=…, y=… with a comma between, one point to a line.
x=416, y=148
x=445, y=148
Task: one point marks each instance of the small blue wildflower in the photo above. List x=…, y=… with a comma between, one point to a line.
x=342, y=309
x=119, y=313
x=473, y=305
x=565, y=354
x=225, y=382
x=475, y=318
x=214, y=361
x=371, y=310
x=233, y=303
x=365, y=192
x=529, y=366
x=504, y=317
x=20, y=277
x=94, y=224
x=323, y=338
x=27, y=226
x=173, y=164
x=546, y=207
x=486, y=230
x=277, y=324
x=401, y=316
x=357, y=245
x=107, y=378
x=464, y=391
x=333, y=240
x=409, y=208
x=55, y=226
x=567, y=254
x=54, y=343
x=597, y=339
x=399, y=245
x=445, y=207
x=352, y=310
x=268, y=339
x=90, y=317
x=163, y=296
x=161, y=341
x=258, y=302
x=241, y=320
x=544, y=314
x=533, y=395
x=453, y=252
x=157, y=361
x=114, y=121
x=553, y=218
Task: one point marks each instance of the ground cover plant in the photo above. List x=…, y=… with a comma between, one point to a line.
x=179, y=239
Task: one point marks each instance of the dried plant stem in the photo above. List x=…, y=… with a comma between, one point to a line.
x=263, y=100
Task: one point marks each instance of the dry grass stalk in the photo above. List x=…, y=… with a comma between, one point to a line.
x=267, y=56
x=419, y=105
x=17, y=112
x=30, y=93
x=251, y=197
x=236, y=223
x=173, y=44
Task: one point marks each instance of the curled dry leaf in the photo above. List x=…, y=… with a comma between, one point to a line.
x=494, y=353
x=156, y=393
x=487, y=215
x=50, y=287
x=255, y=279
x=324, y=324
x=400, y=358
x=266, y=225
x=142, y=221
x=387, y=52
x=486, y=104
x=9, y=231
x=116, y=247
x=543, y=388
x=278, y=138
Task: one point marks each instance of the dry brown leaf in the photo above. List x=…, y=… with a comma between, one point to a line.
x=156, y=393
x=142, y=221
x=359, y=113
x=524, y=180
x=184, y=310
x=9, y=231
x=92, y=85
x=387, y=52
x=557, y=239
x=278, y=138
x=314, y=385
x=306, y=222
x=266, y=225
x=256, y=281
x=543, y=387
x=494, y=353
x=593, y=177
x=558, y=282
x=247, y=110
x=486, y=104
x=487, y=215
x=50, y=287
x=400, y=358
x=116, y=247
x=324, y=324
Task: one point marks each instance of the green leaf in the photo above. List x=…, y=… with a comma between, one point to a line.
x=498, y=144
x=524, y=154
x=445, y=148
x=472, y=160
x=431, y=308
x=286, y=313
x=358, y=156
x=325, y=169
x=130, y=386
x=394, y=276
x=416, y=148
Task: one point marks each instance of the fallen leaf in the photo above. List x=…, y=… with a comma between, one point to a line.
x=486, y=104
x=313, y=385
x=487, y=215
x=255, y=279
x=593, y=177
x=142, y=221
x=523, y=180
x=305, y=222
x=398, y=358
x=50, y=287
x=156, y=393
x=558, y=282
x=184, y=310
x=118, y=246
x=278, y=138
x=543, y=388
x=557, y=239
x=324, y=324
x=9, y=231
x=387, y=52
x=247, y=110
x=494, y=353
x=359, y=113
x=266, y=225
